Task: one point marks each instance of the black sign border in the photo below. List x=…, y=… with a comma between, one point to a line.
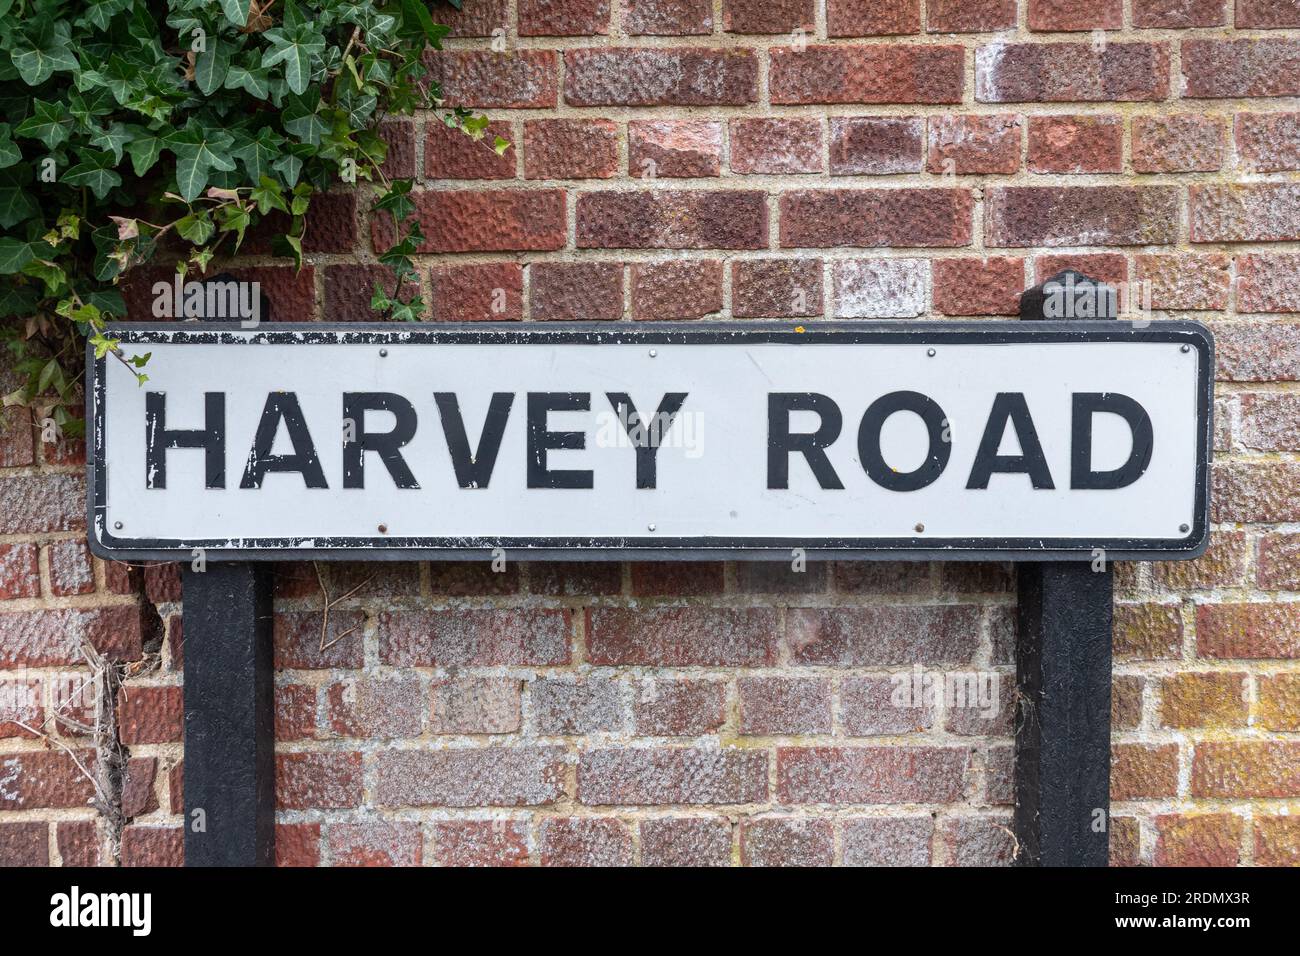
x=388, y=548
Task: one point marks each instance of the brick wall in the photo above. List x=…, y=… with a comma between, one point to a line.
x=683, y=158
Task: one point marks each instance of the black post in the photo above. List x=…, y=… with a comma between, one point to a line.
x=229, y=716
x=1063, y=661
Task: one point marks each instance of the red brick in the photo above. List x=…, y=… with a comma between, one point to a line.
x=865, y=18
x=775, y=288
x=24, y=844
x=1277, y=841
x=480, y=843
x=974, y=144
x=672, y=219
x=883, y=635
x=786, y=841
x=877, y=73
x=875, y=706
x=150, y=715
x=678, y=578
x=376, y=707
x=876, y=217
x=35, y=503
x=1125, y=840
x=511, y=79
x=978, y=841
x=585, y=842
x=1147, y=631
x=1266, y=14
x=1270, y=421
x=678, y=708
x=1268, y=283
x=784, y=705
x=350, y=286
x=78, y=843
x=686, y=289
x=576, y=291
x=176, y=787
x=1049, y=15
x=162, y=583
x=876, y=145
x=1255, y=491
x=297, y=636
x=977, y=577
x=452, y=154
x=1143, y=770
x=486, y=220
x=295, y=712
x=776, y=145
x=71, y=571
x=475, y=705
x=50, y=638
x=1248, y=630
x=1247, y=769
x=686, y=841
x=1071, y=72
x=138, y=796
x=1076, y=144
x=471, y=777
x=120, y=578
x=297, y=844
x=570, y=149
x=970, y=16
x=1242, y=212
x=376, y=843
x=1228, y=69
x=680, y=149
x=888, y=841
x=1184, y=281
x=490, y=292
x=870, y=774
x=682, y=636
x=19, y=573
x=769, y=16
x=331, y=227
x=1206, y=839
x=668, y=17
x=1203, y=699
x=20, y=702
x=1179, y=143
x=777, y=577
x=153, y=846
x=575, y=578
x=474, y=638
x=979, y=705
x=565, y=707
x=651, y=776
x=462, y=578
x=1179, y=14
x=1257, y=351
x=1126, y=702
x=1081, y=215
x=1278, y=702
x=17, y=431
x=978, y=286
x=660, y=76
x=318, y=781
x=1279, y=562
x=563, y=18
x=1223, y=565
x=399, y=136
x=45, y=779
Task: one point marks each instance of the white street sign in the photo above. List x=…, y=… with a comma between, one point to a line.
x=975, y=439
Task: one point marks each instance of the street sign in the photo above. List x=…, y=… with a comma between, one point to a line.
x=855, y=440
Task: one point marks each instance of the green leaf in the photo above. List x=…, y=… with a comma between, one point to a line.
x=197, y=153
x=9, y=151
x=236, y=11
x=112, y=139
x=211, y=66
x=257, y=154
x=295, y=47
x=16, y=200
x=256, y=82
x=43, y=51
x=14, y=254
x=144, y=151
x=301, y=119
x=48, y=123
x=416, y=15
x=95, y=173
x=196, y=228
x=268, y=195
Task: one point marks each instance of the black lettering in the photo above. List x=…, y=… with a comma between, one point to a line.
x=1085, y=406
x=158, y=438
x=387, y=445
x=474, y=469
x=282, y=407
x=1010, y=406
x=812, y=445
x=873, y=462
x=540, y=440
x=646, y=436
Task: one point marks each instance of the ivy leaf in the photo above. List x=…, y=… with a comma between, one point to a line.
x=197, y=153
x=16, y=200
x=416, y=15
x=257, y=154
x=144, y=151
x=256, y=81
x=95, y=173
x=236, y=11
x=48, y=123
x=295, y=47
x=15, y=254
x=9, y=151
x=44, y=50
x=268, y=195
x=196, y=228
x=301, y=119
x=211, y=66
x=112, y=139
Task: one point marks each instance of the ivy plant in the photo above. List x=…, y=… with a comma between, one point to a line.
x=139, y=129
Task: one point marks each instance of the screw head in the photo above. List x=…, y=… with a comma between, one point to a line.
x=919, y=527
x=1185, y=348
x=654, y=352
x=383, y=529
x=930, y=352
x=383, y=353
x=650, y=526
x=117, y=526
x=1184, y=528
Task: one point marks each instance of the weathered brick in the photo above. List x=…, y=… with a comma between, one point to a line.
x=17, y=430
x=1248, y=630
x=24, y=844
x=786, y=841
x=1245, y=212
x=1179, y=143
x=649, y=776
x=317, y=781
x=768, y=16
x=49, y=638
x=462, y=578
x=679, y=578
x=962, y=145
x=295, y=712
x=138, y=796
x=1147, y=631
x=570, y=149
x=682, y=636
x=1246, y=769
x=584, y=841
x=668, y=17
x=865, y=18
x=399, y=136
x=888, y=841
x=1109, y=267
x=477, y=19
x=331, y=227
x=1076, y=144
x=1203, y=699
x=1203, y=839
x=1266, y=15
x=1126, y=702
x=685, y=289
x=777, y=577
x=1228, y=69
x=1257, y=351
x=660, y=76
x=1125, y=840
x=970, y=16
x=1278, y=706
x=977, y=577
x=686, y=841
x=1255, y=491
x=1222, y=565
x=486, y=220
x=885, y=635
x=480, y=843
x=1270, y=421
x=564, y=706
x=678, y=708
x=349, y=287
x=486, y=292
x=674, y=149
x=71, y=571
x=1268, y=283
x=78, y=842
x=476, y=705
x=978, y=841
x=45, y=779
x=297, y=844
x=1179, y=14
x=776, y=145
x=775, y=288
x=876, y=145
x=576, y=291
x=452, y=154
x=461, y=637
x=1081, y=215
x=881, y=288
x=672, y=219
x=1143, y=770
x=484, y=79
x=149, y=715
x=298, y=640
x=978, y=286
x=1278, y=567
x=376, y=707
x=877, y=706
x=575, y=578
x=876, y=217
x=376, y=843
x=563, y=18
x=876, y=73
x=1071, y=72
x=1277, y=841
x=470, y=777
x=153, y=846
x=980, y=704
x=30, y=504
x=784, y=705
x=20, y=703
x=1073, y=15
x=1184, y=281
x=870, y=774
x=19, y=572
